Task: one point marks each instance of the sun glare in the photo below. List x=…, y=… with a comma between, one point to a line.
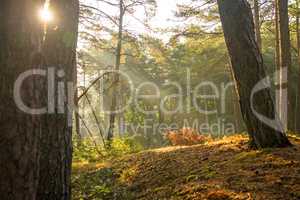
x=45, y=14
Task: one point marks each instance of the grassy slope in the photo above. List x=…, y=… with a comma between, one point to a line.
x=223, y=169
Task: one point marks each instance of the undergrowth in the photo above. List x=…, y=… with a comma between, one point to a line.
x=224, y=169
x=88, y=151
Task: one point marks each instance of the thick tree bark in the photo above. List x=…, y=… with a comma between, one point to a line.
x=59, y=50
x=239, y=123
x=248, y=69
x=20, y=39
x=257, y=24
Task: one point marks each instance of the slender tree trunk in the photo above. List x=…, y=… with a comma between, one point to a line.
x=298, y=49
x=161, y=117
x=84, y=100
x=114, y=106
x=121, y=119
x=77, y=118
x=257, y=24
x=59, y=50
x=277, y=58
x=285, y=64
x=20, y=39
x=248, y=69
x=296, y=108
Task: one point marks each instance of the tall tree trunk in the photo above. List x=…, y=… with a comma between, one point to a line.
x=114, y=106
x=257, y=24
x=20, y=40
x=84, y=100
x=248, y=69
x=59, y=50
x=277, y=58
x=285, y=64
x=77, y=118
x=298, y=51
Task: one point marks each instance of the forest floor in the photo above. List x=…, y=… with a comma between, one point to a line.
x=220, y=170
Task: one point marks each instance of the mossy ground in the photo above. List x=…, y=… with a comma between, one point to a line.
x=220, y=170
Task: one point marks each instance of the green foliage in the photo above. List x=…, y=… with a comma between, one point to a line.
x=197, y=48
x=86, y=150
x=98, y=185
x=124, y=146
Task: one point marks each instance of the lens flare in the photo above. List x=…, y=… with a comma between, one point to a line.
x=45, y=14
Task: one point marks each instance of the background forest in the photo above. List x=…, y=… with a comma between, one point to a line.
x=189, y=50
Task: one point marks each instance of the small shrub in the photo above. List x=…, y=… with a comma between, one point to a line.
x=85, y=150
x=125, y=145
x=185, y=137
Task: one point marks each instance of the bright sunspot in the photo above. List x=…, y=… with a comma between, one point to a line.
x=45, y=14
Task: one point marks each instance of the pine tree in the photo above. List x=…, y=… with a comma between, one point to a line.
x=248, y=70
x=59, y=52
x=20, y=40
